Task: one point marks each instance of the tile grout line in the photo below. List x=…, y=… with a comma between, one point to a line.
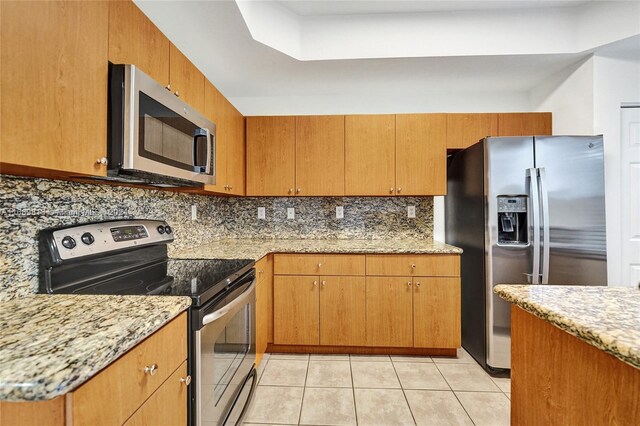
x=454, y=394
x=304, y=388
x=353, y=391
x=403, y=392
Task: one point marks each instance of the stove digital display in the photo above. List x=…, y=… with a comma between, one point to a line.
x=127, y=233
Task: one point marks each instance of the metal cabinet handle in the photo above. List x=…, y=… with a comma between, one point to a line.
x=297, y=190
x=399, y=189
x=390, y=190
x=230, y=187
x=261, y=271
x=186, y=380
x=103, y=161
x=168, y=87
x=177, y=93
x=290, y=190
x=413, y=266
x=417, y=284
x=323, y=283
x=409, y=284
x=151, y=369
x=319, y=265
x=315, y=283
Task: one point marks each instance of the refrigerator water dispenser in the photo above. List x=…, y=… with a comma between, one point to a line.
x=512, y=220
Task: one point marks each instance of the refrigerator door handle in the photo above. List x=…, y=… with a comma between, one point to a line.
x=544, y=196
x=534, y=203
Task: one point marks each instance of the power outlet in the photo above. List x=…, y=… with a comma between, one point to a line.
x=339, y=212
x=194, y=212
x=411, y=212
x=261, y=213
x=291, y=213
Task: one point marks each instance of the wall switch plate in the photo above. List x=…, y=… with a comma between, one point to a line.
x=339, y=212
x=194, y=212
x=291, y=213
x=411, y=212
x=261, y=213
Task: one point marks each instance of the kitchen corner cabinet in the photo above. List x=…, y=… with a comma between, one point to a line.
x=124, y=392
x=230, y=153
x=524, y=124
x=464, y=130
x=53, y=82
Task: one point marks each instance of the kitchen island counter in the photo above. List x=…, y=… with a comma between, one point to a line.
x=51, y=344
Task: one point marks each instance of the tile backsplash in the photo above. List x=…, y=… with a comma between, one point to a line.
x=28, y=205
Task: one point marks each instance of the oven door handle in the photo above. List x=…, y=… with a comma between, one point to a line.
x=240, y=300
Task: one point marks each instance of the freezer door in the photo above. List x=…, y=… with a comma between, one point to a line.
x=571, y=177
x=507, y=161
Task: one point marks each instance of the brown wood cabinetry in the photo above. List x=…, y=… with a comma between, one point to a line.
x=296, y=310
x=264, y=305
x=414, y=264
x=316, y=264
x=53, y=81
x=464, y=130
x=436, y=312
x=187, y=82
x=389, y=312
x=123, y=392
x=524, y=124
x=342, y=311
x=271, y=155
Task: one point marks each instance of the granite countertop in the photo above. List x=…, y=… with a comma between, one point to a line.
x=51, y=344
x=258, y=248
x=605, y=317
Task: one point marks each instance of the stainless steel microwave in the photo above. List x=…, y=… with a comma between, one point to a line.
x=154, y=137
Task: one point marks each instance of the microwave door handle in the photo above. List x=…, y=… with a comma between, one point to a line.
x=197, y=167
x=240, y=300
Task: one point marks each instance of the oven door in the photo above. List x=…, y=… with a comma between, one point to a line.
x=224, y=353
x=162, y=134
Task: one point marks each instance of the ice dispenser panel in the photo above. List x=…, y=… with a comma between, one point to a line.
x=512, y=220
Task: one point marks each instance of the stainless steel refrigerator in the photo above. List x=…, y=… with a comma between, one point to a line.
x=526, y=210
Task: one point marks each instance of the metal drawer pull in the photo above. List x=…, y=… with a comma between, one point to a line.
x=315, y=283
x=319, y=265
x=409, y=284
x=413, y=266
x=323, y=283
x=151, y=369
x=417, y=284
x=186, y=380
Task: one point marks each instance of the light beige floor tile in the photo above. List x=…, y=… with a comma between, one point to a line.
x=328, y=406
x=436, y=408
x=370, y=358
x=508, y=395
x=275, y=404
x=420, y=375
x=462, y=358
x=296, y=357
x=255, y=424
x=329, y=374
x=486, y=409
x=467, y=377
x=284, y=372
x=329, y=357
x=407, y=358
x=261, y=368
x=504, y=383
x=374, y=375
x=382, y=407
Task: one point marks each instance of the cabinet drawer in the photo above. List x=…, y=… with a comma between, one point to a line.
x=319, y=264
x=114, y=394
x=432, y=265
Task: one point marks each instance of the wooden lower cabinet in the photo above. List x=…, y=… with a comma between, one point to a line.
x=342, y=311
x=436, y=312
x=264, y=306
x=296, y=310
x=389, y=311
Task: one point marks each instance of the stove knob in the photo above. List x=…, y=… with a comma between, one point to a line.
x=87, y=238
x=168, y=229
x=160, y=229
x=68, y=242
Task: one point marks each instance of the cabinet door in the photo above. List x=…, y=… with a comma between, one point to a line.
x=464, y=130
x=421, y=154
x=320, y=155
x=436, y=312
x=342, y=311
x=187, y=81
x=134, y=39
x=295, y=310
x=389, y=311
x=216, y=110
x=236, y=153
x=271, y=155
x=168, y=405
x=370, y=163
x=53, y=81
x=264, y=305
x=524, y=124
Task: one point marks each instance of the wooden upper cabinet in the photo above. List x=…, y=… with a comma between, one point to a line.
x=134, y=39
x=271, y=155
x=53, y=81
x=421, y=154
x=524, y=124
x=187, y=81
x=370, y=154
x=464, y=130
x=320, y=155
x=236, y=153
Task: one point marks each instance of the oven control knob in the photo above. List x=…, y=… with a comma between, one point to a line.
x=160, y=229
x=168, y=229
x=87, y=238
x=68, y=242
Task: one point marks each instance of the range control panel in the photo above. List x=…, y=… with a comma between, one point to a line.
x=126, y=233
x=517, y=204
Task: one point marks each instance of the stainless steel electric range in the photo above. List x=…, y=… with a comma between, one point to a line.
x=129, y=257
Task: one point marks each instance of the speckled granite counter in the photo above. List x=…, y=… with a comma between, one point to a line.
x=49, y=345
x=256, y=248
x=605, y=317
